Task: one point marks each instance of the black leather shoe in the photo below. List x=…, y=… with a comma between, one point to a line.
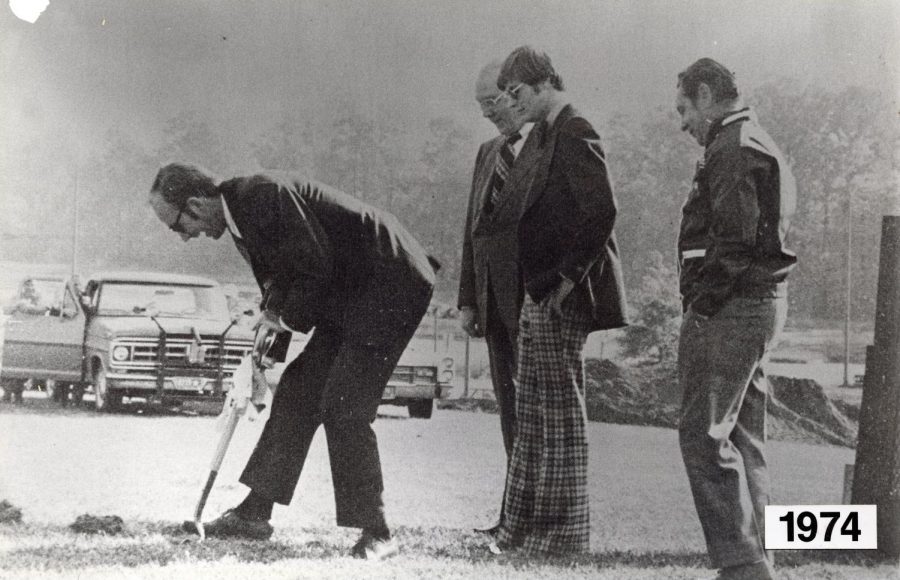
x=368, y=547
x=490, y=530
x=231, y=525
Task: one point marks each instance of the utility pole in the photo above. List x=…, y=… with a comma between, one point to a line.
x=848, y=288
x=75, y=226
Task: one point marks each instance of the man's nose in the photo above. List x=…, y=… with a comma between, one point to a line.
x=184, y=237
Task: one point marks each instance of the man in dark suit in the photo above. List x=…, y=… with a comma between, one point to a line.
x=573, y=285
x=327, y=261
x=490, y=286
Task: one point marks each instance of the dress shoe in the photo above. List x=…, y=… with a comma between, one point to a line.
x=231, y=525
x=756, y=571
x=490, y=530
x=368, y=547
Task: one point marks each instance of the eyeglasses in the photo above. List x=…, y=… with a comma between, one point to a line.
x=513, y=93
x=176, y=225
x=491, y=103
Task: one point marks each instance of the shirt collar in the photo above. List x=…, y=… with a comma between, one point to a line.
x=555, y=110
x=745, y=114
x=229, y=221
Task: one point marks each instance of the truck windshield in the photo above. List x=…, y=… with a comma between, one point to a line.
x=133, y=299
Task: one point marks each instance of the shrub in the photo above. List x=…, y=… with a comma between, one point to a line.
x=655, y=325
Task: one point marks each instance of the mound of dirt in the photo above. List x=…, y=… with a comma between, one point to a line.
x=107, y=525
x=9, y=514
x=629, y=396
x=647, y=395
x=804, y=402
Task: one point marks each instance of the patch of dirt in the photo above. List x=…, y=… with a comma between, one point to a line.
x=9, y=514
x=799, y=409
x=630, y=395
x=107, y=525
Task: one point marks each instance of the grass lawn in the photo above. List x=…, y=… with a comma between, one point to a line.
x=442, y=477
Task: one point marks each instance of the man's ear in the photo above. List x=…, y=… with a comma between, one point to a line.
x=196, y=205
x=704, y=98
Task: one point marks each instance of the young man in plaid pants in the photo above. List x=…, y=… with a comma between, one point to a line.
x=573, y=285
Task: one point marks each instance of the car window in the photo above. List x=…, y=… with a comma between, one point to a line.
x=132, y=299
x=70, y=304
x=40, y=296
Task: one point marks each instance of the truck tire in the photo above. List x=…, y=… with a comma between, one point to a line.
x=105, y=399
x=77, y=393
x=421, y=409
x=12, y=390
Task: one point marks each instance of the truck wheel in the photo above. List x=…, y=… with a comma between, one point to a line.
x=12, y=390
x=77, y=393
x=105, y=399
x=421, y=409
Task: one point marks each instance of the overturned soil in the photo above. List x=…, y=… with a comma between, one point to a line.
x=799, y=409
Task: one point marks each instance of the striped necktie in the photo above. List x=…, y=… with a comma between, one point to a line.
x=501, y=169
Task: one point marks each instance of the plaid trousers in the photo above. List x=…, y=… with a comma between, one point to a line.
x=546, y=507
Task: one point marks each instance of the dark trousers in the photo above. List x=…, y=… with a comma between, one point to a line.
x=337, y=381
x=502, y=351
x=723, y=423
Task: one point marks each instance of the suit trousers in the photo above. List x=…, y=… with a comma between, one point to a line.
x=546, y=509
x=501, y=344
x=722, y=431
x=337, y=381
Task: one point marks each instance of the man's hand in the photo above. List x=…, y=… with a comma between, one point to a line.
x=269, y=320
x=558, y=296
x=468, y=320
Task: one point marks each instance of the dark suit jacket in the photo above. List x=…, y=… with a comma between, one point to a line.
x=567, y=226
x=327, y=257
x=490, y=246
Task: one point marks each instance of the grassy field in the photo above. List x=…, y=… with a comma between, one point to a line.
x=442, y=477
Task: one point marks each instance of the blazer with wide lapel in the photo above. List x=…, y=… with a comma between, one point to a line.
x=566, y=229
x=490, y=252
x=326, y=256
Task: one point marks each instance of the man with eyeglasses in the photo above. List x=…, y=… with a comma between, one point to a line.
x=490, y=286
x=325, y=261
x=573, y=286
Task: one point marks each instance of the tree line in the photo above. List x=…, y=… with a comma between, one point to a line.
x=841, y=143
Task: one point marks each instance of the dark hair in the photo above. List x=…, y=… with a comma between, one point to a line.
x=176, y=182
x=529, y=66
x=719, y=79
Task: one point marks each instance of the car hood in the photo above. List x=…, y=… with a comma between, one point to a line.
x=144, y=326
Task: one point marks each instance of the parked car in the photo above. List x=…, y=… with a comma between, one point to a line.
x=163, y=337
x=421, y=376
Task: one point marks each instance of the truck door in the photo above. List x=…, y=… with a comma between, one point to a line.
x=45, y=342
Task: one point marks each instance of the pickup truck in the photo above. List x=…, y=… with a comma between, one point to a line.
x=159, y=337
x=163, y=337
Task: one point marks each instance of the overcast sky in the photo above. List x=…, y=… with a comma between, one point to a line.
x=87, y=64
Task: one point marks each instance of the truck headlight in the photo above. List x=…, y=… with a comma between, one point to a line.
x=446, y=376
x=447, y=363
x=120, y=353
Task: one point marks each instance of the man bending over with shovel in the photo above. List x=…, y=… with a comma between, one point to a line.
x=325, y=260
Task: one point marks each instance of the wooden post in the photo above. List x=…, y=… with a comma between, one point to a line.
x=876, y=478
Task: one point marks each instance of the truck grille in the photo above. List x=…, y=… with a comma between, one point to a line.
x=143, y=353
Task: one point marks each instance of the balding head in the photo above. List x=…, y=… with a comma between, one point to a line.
x=494, y=107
